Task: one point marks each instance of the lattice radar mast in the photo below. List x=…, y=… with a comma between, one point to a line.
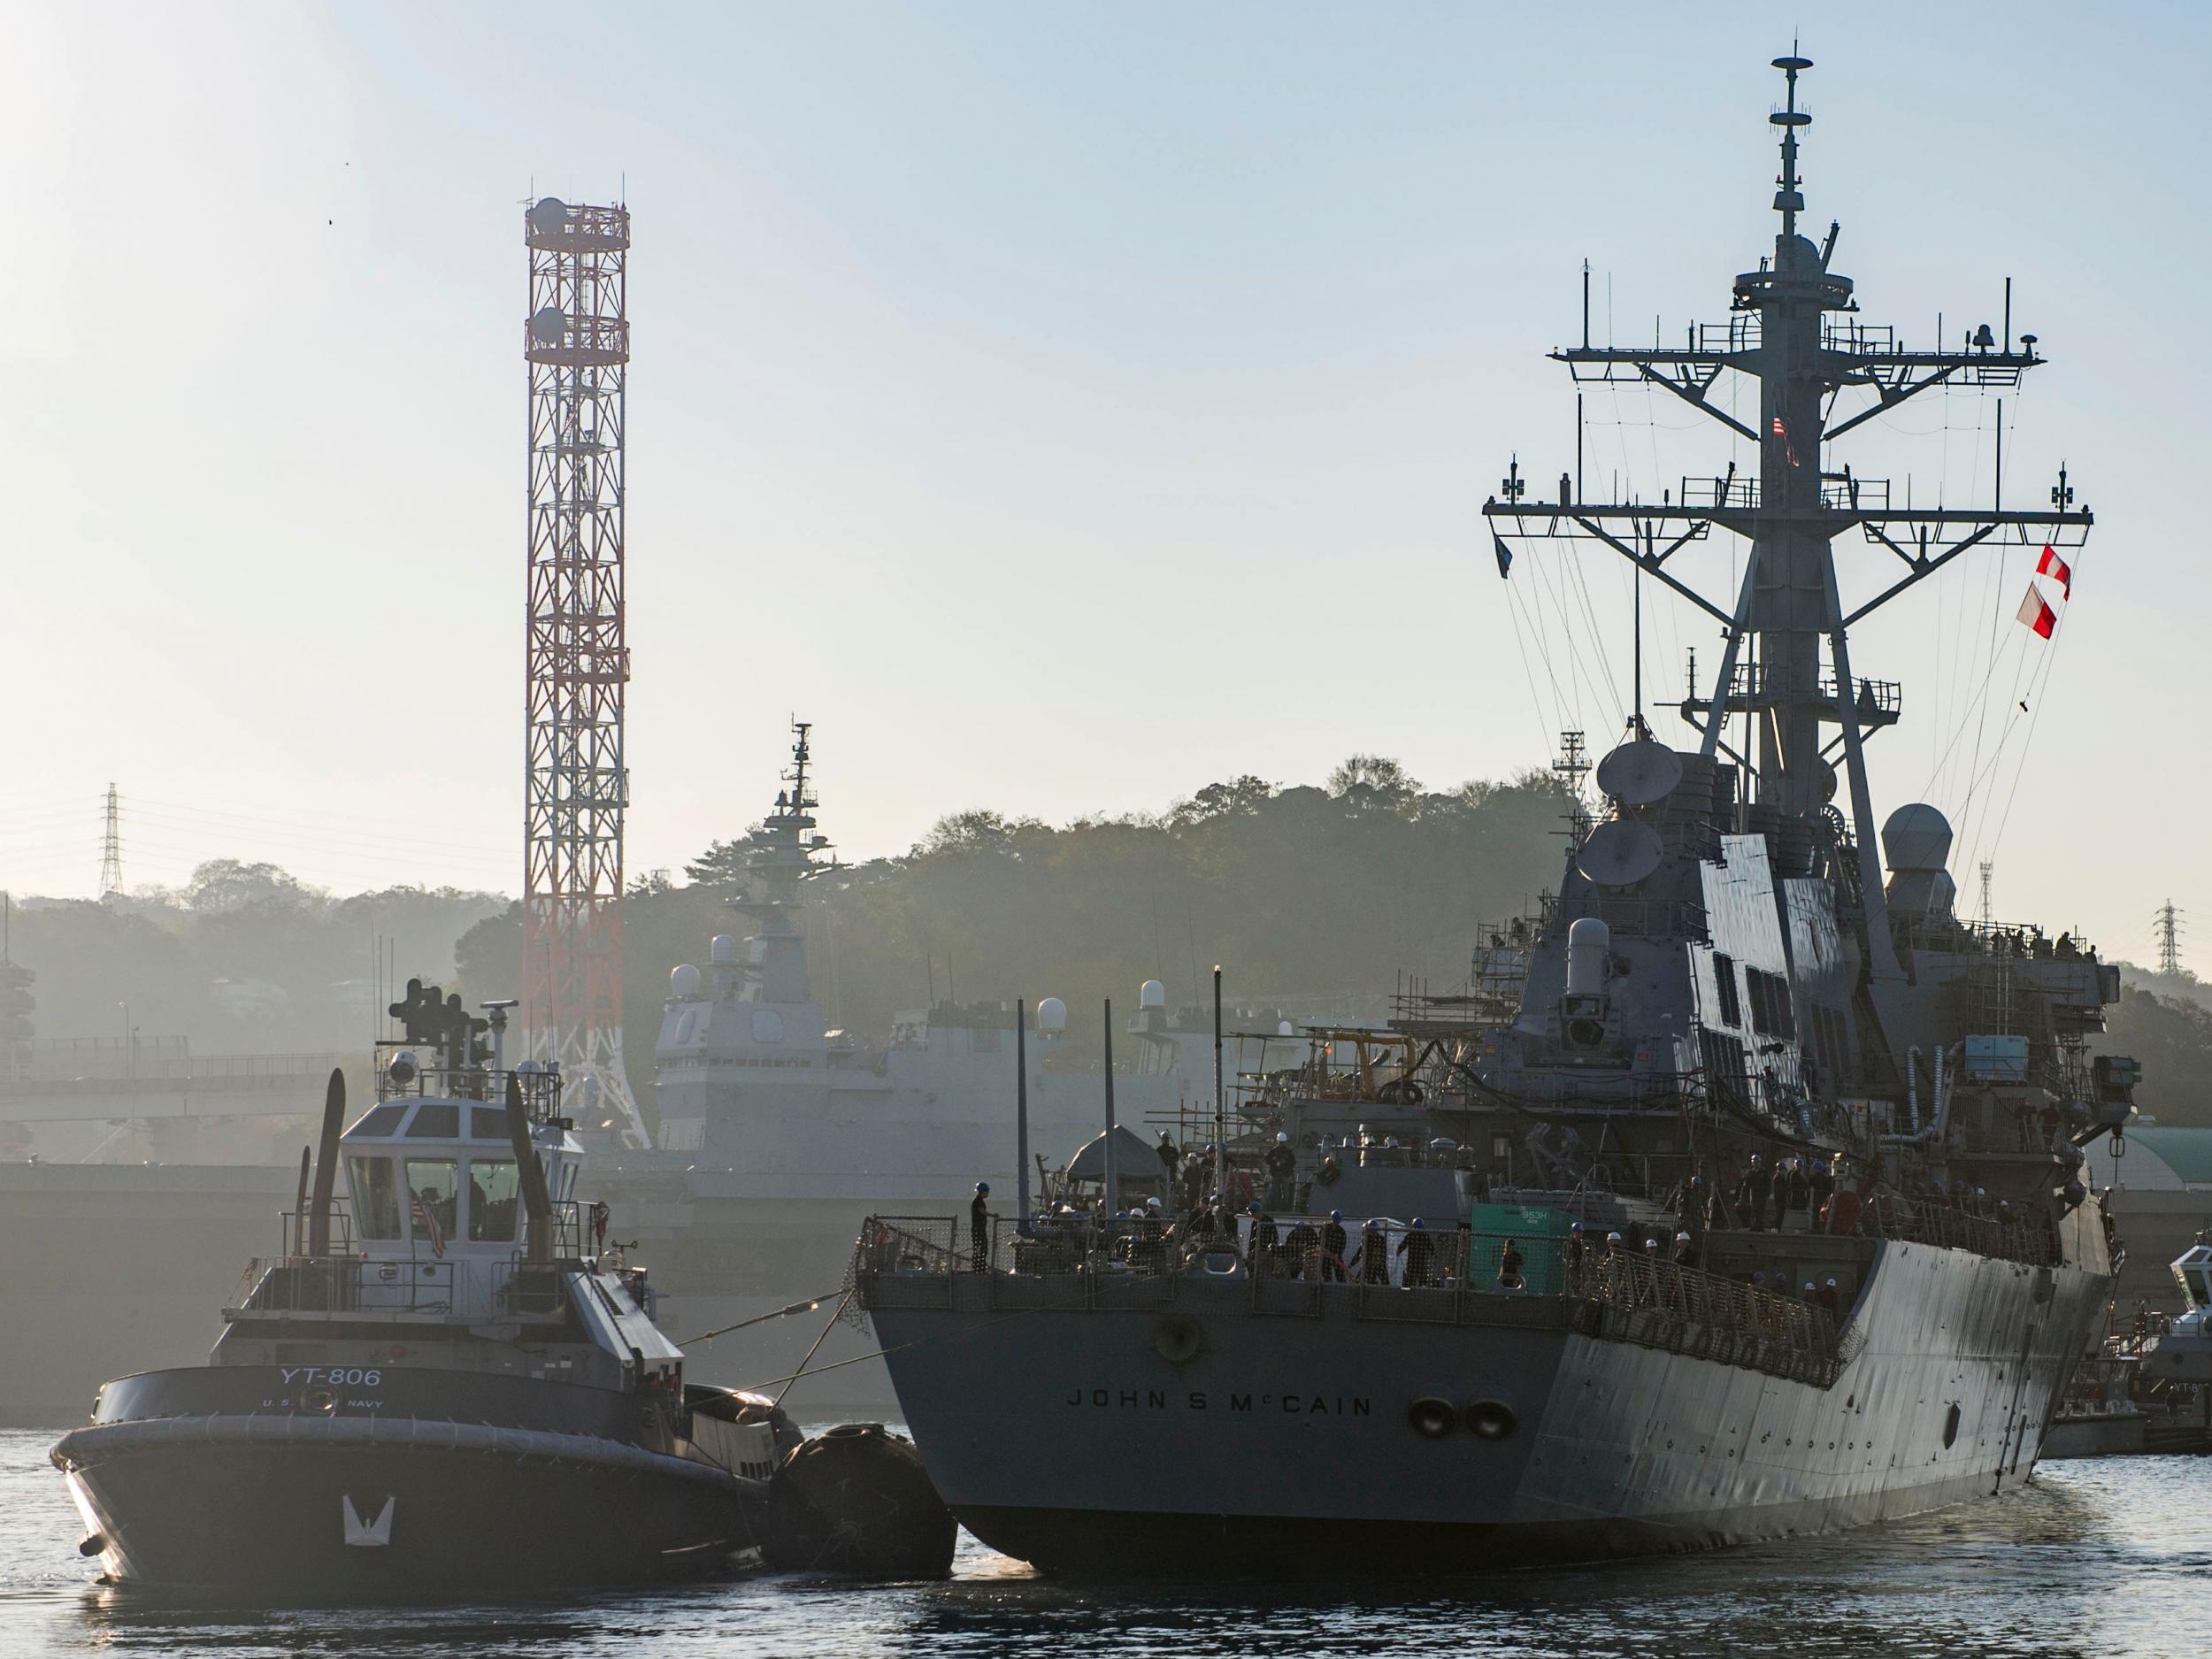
x=1786, y=690
x=576, y=340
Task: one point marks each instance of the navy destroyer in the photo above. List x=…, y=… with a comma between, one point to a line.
x=447, y=1382
x=1741, y=1194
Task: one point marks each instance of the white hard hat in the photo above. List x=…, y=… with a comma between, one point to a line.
x=1684, y=1238
x=1612, y=1238
x=1282, y=1138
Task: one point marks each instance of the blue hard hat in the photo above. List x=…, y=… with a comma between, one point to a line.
x=983, y=1187
x=1336, y=1215
x=1576, y=1228
x=1418, y=1222
x=1251, y=1210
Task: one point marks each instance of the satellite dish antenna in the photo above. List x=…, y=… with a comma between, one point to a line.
x=1638, y=773
x=550, y=216
x=549, y=326
x=1621, y=853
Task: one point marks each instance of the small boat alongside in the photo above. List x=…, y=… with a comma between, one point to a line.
x=2147, y=1389
x=446, y=1383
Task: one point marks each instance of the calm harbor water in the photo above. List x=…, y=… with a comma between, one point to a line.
x=2092, y=1558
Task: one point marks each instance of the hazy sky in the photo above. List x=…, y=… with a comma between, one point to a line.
x=1062, y=406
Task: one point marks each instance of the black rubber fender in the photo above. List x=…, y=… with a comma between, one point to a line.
x=858, y=1500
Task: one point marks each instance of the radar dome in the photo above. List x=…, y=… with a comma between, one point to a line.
x=549, y=215
x=1152, y=993
x=683, y=982
x=547, y=325
x=1916, y=837
x=1284, y=1028
x=1052, y=1014
x=723, y=952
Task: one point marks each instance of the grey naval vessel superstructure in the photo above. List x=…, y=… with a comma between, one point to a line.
x=447, y=1382
x=776, y=1128
x=1760, y=1207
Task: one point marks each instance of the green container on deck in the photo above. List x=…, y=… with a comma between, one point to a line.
x=1540, y=1234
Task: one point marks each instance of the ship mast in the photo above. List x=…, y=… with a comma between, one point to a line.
x=1794, y=329
x=780, y=854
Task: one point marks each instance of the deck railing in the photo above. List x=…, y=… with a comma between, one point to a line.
x=1454, y=1279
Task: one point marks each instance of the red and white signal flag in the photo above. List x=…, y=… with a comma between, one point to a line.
x=2036, y=612
x=2050, y=564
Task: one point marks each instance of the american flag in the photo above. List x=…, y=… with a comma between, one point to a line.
x=428, y=1224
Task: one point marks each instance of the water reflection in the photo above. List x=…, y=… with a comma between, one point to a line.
x=2095, y=1560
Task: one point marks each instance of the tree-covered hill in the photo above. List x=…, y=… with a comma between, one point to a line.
x=1317, y=899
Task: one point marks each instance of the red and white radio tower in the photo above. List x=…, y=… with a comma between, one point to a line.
x=577, y=340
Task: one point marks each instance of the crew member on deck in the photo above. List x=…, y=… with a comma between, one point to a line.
x=1575, y=1254
x=1751, y=1199
x=1333, y=1242
x=979, y=1225
x=1419, y=1251
x=1171, y=1155
x=1260, y=1252
x=1282, y=1170
x=1509, y=1266
x=1373, y=1260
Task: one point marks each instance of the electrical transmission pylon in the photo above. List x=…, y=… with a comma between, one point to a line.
x=111, y=847
x=2168, y=924
x=576, y=340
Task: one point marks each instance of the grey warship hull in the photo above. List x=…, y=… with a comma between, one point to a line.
x=1201, y=1423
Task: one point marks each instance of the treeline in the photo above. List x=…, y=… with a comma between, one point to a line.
x=1316, y=899
x=243, y=959
x=1319, y=900
x=2170, y=1031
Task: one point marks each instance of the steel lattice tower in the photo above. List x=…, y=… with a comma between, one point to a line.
x=2168, y=921
x=576, y=339
x=112, y=846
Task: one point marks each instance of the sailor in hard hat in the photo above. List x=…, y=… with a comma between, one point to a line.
x=1171, y=1156
x=1282, y=1172
x=1419, y=1251
x=1333, y=1242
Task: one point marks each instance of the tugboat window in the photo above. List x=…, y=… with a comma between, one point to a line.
x=430, y=1181
x=492, y=1187
x=376, y=1199
x=379, y=1121
x=438, y=1119
x=490, y=1123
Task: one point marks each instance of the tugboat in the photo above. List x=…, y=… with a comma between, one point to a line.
x=449, y=1382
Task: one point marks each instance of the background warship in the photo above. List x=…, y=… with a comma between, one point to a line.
x=775, y=1129
x=1743, y=1059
